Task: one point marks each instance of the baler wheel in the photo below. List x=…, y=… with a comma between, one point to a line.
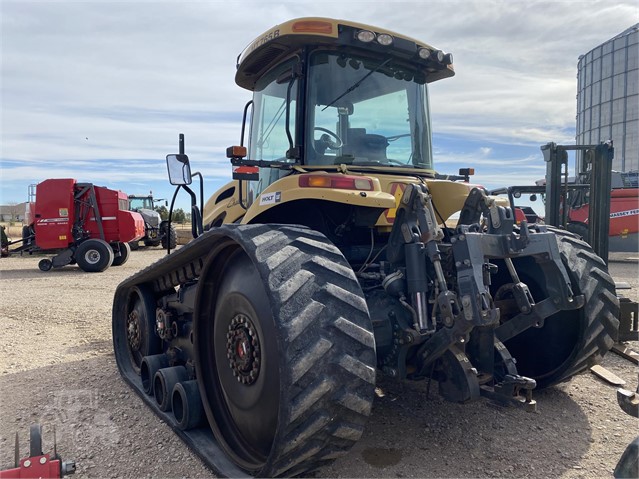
x=125, y=252
x=285, y=355
x=94, y=255
x=45, y=264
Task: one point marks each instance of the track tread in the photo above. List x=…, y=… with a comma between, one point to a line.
x=326, y=343
x=327, y=353
x=589, y=274
x=304, y=319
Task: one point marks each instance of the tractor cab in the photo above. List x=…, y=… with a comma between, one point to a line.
x=140, y=202
x=330, y=93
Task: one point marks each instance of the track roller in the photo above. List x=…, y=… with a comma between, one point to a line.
x=150, y=365
x=187, y=405
x=163, y=383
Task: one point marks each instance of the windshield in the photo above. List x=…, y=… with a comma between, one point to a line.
x=366, y=112
x=139, y=203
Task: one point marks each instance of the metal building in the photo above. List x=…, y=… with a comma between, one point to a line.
x=608, y=97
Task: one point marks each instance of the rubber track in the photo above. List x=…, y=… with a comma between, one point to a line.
x=589, y=274
x=326, y=341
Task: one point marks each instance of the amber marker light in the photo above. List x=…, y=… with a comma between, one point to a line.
x=312, y=26
x=340, y=182
x=236, y=152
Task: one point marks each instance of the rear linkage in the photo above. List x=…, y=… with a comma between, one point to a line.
x=464, y=304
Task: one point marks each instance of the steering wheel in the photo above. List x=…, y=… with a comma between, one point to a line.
x=325, y=139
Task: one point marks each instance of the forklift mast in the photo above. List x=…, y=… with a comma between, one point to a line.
x=598, y=160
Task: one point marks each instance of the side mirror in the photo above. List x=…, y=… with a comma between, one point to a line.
x=179, y=169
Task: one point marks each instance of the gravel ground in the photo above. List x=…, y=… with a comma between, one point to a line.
x=57, y=368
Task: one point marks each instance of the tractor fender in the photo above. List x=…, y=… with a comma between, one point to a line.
x=224, y=205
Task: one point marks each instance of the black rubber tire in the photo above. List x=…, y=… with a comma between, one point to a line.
x=151, y=244
x=139, y=338
x=580, y=229
x=570, y=342
x=314, y=388
x=35, y=440
x=45, y=264
x=628, y=465
x=134, y=245
x=27, y=231
x=169, y=238
x=94, y=255
x=125, y=253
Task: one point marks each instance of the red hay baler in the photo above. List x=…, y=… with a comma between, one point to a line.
x=82, y=223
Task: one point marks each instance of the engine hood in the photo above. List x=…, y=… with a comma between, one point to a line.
x=151, y=217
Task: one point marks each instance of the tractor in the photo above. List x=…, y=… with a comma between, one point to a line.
x=338, y=255
x=156, y=231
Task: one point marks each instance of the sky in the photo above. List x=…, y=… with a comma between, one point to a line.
x=100, y=90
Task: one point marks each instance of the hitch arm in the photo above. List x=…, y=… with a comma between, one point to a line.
x=440, y=342
x=535, y=318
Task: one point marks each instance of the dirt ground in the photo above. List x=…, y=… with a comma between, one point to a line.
x=57, y=368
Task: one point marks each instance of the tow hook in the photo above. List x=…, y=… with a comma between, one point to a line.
x=514, y=389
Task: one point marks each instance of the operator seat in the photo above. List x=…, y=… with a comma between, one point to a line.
x=365, y=146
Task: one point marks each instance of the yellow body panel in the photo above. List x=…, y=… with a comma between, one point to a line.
x=224, y=205
x=448, y=197
x=289, y=190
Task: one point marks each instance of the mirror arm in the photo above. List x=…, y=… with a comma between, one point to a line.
x=292, y=152
x=246, y=107
x=168, y=227
x=196, y=223
x=200, y=227
x=242, y=205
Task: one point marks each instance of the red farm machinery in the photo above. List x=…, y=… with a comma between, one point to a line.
x=599, y=204
x=81, y=223
x=38, y=464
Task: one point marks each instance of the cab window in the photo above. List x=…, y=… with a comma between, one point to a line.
x=275, y=95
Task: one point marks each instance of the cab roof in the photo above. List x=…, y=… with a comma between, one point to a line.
x=281, y=41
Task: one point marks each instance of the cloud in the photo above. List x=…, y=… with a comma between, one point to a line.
x=485, y=151
x=103, y=88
